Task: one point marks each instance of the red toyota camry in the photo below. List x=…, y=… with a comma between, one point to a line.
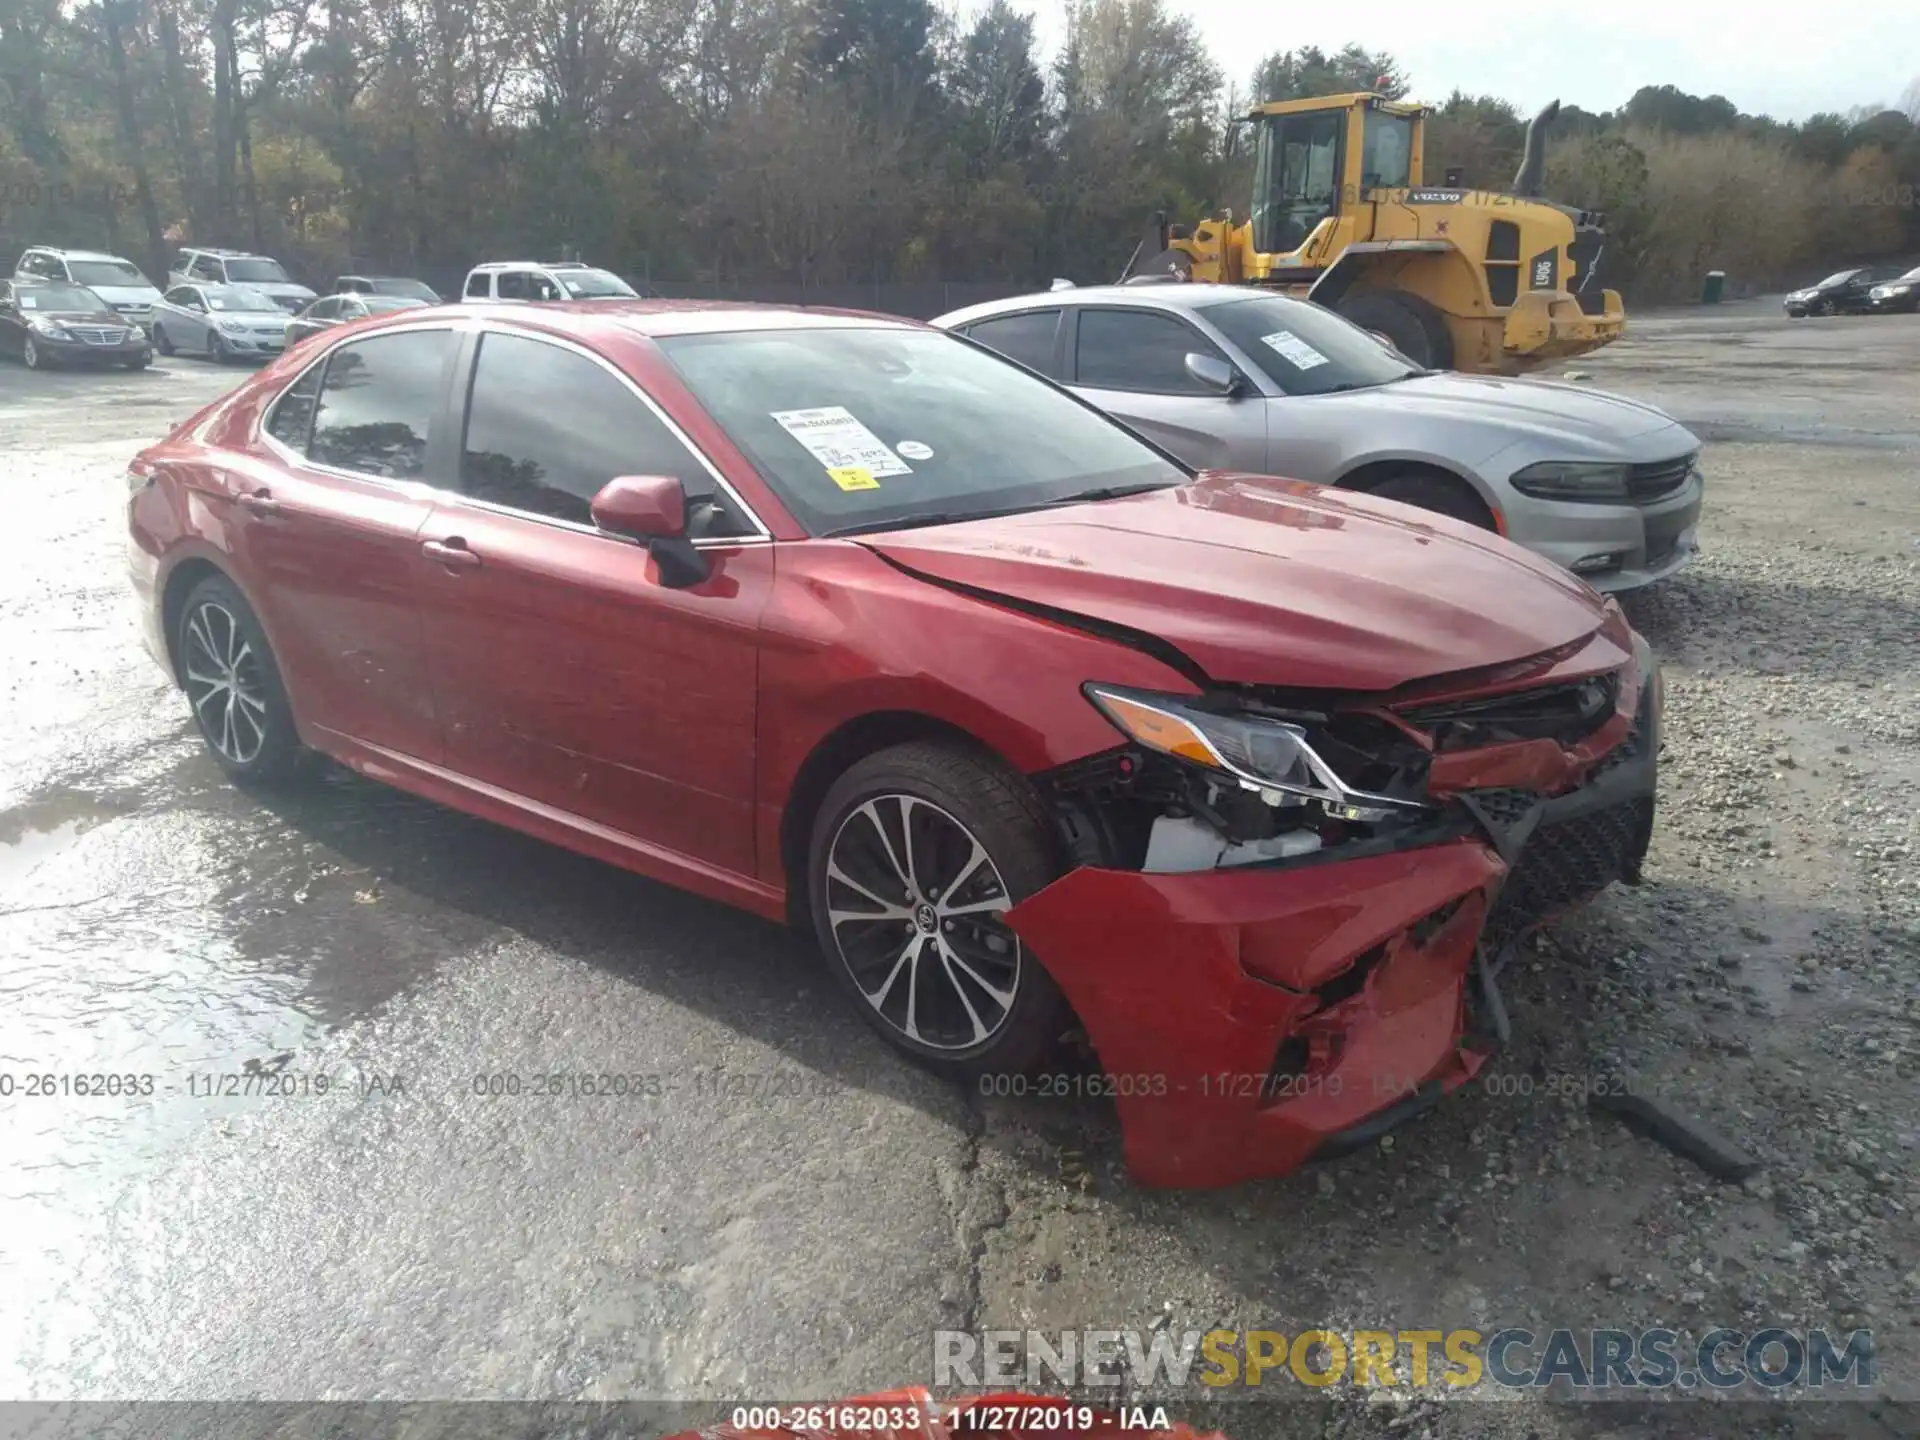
x=854, y=624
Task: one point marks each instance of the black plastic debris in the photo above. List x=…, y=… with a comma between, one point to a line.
x=1685, y=1136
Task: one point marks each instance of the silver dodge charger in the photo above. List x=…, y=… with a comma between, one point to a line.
x=1228, y=378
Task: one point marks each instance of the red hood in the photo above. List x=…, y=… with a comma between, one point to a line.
x=1272, y=582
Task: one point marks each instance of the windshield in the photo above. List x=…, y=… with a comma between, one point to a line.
x=65, y=298
x=594, y=285
x=1913, y=274
x=106, y=272
x=1388, y=151
x=410, y=288
x=1305, y=349
x=1838, y=277
x=239, y=298
x=865, y=429
x=386, y=304
x=257, y=271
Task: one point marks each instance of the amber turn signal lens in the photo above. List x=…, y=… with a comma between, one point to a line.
x=1157, y=729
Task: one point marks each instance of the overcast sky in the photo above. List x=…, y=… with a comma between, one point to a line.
x=1789, y=62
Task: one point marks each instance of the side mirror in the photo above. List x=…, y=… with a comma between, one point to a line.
x=653, y=510
x=1213, y=373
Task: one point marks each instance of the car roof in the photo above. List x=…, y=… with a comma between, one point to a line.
x=1177, y=297
x=65, y=254
x=590, y=319
x=222, y=254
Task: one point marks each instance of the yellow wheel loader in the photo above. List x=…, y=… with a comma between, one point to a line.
x=1456, y=278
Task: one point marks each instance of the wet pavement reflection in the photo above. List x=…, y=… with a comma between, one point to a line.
x=245, y=1147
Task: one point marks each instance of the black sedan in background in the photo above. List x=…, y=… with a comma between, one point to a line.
x=1845, y=292
x=386, y=285
x=1898, y=295
x=52, y=324
x=331, y=310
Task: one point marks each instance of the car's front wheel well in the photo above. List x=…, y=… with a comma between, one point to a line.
x=180, y=583
x=845, y=747
x=1414, y=477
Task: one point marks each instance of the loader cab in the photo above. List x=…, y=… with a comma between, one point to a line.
x=1316, y=159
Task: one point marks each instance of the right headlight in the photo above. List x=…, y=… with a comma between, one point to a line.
x=1255, y=751
x=1573, y=480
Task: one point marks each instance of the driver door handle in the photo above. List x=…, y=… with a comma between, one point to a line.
x=452, y=553
x=260, y=502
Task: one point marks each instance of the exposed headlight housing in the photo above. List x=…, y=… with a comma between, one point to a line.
x=1573, y=480
x=1271, y=757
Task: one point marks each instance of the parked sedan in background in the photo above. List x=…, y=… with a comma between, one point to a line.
x=1228, y=378
x=1902, y=293
x=54, y=324
x=118, y=282
x=386, y=285
x=331, y=310
x=1845, y=292
x=853, y=624
x=221, y=322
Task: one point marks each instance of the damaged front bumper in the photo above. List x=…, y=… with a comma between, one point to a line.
x=1253, y=1018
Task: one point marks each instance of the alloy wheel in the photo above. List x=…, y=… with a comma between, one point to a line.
x=30, y=353
x=914, y=903
x=224, y=683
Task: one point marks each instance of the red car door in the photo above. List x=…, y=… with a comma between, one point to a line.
x=327, y=534
x=564, y=672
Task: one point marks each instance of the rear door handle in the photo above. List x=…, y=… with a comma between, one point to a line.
x=260, y=502
x=453, y=554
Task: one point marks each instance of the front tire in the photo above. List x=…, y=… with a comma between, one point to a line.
x=233, y=684
x=216, y=348
x=1417, y=330
x=161, y=342
x=916, y=853
x=1429, y=490
x=31, y=356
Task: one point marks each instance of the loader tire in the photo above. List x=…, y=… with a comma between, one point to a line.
x=1417, y=329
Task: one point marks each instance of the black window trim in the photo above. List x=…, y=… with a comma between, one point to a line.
x=463, y=399
x=1186, y=322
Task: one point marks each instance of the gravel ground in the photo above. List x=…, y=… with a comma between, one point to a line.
x=1763, y=979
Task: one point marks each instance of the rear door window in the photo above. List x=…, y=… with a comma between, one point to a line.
x=1027, y=339
x=479, y=286
x=378, y=403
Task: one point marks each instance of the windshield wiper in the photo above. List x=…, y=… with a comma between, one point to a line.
x=915, y=522
x=1108, y=492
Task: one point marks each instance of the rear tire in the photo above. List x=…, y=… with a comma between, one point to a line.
x=1417, y=329
x=233, y=685
x=952, y=988
x=1430, y=490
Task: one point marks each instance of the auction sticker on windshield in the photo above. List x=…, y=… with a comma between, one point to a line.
x=853, y=477
x=838, y=441
x=1293, y=349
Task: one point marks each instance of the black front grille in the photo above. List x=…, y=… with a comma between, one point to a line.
x=1504, y=807
x=1659, y=478
x=1567, y=862
x=1566, y=712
